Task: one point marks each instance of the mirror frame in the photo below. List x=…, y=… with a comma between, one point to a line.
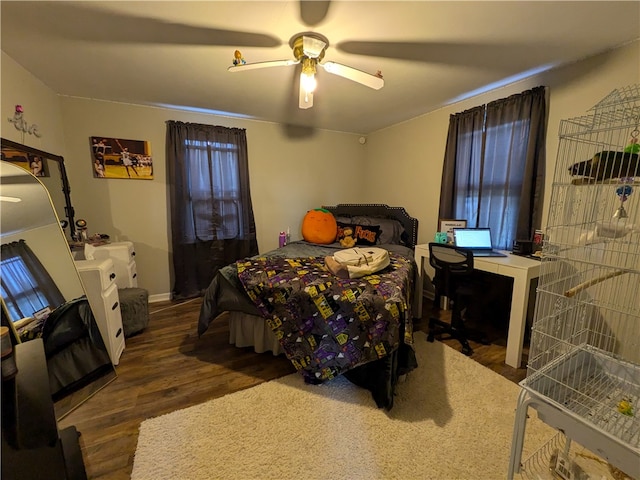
x=66, y=189
x=84, y=385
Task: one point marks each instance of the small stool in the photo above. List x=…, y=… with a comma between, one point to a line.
x=134, y=307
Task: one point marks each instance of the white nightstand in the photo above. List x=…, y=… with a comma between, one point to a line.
x=124, y=261
x=99, y=279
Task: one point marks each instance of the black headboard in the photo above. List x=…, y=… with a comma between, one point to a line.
x=380, y=210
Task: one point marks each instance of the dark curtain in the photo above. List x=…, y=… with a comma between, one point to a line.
x=212, y=221
x=26, y=285
x=462, y=160
x=493, y=174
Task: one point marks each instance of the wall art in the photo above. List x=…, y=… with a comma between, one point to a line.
x=35, y=164
x=121, y=158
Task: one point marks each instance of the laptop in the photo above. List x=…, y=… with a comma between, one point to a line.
x=478, y=240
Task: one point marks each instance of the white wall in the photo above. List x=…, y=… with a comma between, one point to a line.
x=41, y=106
x=416, y=148
x=403, y=163
x=284, y=174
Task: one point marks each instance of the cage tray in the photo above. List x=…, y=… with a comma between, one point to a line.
x=591, y=384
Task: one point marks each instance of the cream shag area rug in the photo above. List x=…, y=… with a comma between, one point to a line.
x=452, y=419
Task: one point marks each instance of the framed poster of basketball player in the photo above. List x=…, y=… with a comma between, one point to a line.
x=121, y=158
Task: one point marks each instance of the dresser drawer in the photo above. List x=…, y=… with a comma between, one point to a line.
x=123, y=256
x=126, y=275
x=106, y=309
x=132, y=276
x=113, y=315
x=98, y=278
x=97, y=274
x=118, y=251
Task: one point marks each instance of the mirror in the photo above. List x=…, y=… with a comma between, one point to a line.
x=51, y=171
x=42, y=292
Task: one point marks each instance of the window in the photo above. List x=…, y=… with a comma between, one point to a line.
x=493, y=173
x=214, y=190
x=20, y=289
x=212, y=222
x=496, y=173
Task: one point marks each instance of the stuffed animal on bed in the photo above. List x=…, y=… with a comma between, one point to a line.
x=319, y=226
x=347, y=241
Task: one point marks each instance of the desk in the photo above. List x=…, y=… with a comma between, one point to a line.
x=522, y=270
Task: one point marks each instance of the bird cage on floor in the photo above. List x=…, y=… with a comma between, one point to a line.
x=583, y=375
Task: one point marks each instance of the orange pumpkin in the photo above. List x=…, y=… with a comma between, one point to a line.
x=319, y=226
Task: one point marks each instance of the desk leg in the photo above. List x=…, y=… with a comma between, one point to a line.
x=419, y=286
x=517, y=320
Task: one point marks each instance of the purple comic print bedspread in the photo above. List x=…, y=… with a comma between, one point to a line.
x=328, y=325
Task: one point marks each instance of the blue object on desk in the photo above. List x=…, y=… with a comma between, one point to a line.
x=441, y=237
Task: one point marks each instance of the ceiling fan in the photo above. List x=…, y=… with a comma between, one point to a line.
x=308, y=50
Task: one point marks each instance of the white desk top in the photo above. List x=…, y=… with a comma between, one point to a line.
x=531, y=265
x=510, y=260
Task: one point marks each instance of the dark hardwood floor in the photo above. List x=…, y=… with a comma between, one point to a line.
x=167, y=367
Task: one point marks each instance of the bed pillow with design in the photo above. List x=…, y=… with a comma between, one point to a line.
x=362, y=234
x=391, y=230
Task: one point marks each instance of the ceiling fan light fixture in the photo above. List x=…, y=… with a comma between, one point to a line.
x=309, y=44
x=308, y=50
x=313, y=46
x=309, y=66
x=308, y=75
x=308, y=82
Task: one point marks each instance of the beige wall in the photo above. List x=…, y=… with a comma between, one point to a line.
x=415, y=148
x=284, y=173
x=41, y=106
x=403, y=163
x=285, y=180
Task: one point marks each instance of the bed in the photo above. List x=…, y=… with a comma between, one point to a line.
x=287, y=301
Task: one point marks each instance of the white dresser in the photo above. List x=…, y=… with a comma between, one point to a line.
x=124, y=261
x=99, y=279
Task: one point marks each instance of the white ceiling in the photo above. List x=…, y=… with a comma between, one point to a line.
x=430, y=53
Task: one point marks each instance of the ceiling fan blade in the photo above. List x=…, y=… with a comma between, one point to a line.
x=477, y=54
x=305, y=99
x=255, y=65
x=77, y=21
x=372, y=81
x=312, y=12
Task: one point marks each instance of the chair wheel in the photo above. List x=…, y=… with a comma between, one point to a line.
x=431, y=338
x=467, y=350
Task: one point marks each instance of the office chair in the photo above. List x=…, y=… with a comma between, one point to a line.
x=453, y=271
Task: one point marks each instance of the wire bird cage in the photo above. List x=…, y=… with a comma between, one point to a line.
x=583, y=375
